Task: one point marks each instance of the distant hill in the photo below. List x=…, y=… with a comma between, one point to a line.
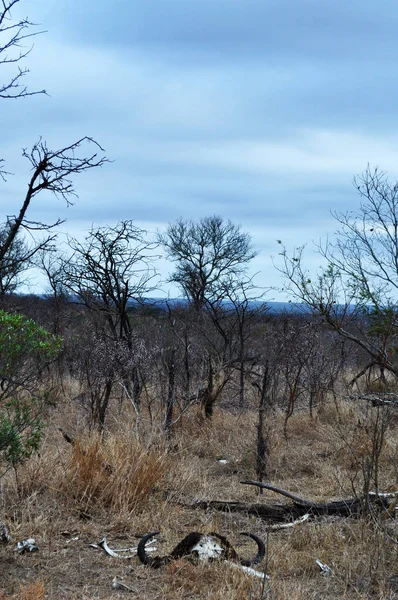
x=163, y=303
x=276, y=307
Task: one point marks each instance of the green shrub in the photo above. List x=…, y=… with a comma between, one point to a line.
x=25, y=350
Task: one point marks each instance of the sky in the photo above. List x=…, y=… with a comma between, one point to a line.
x=260, y=111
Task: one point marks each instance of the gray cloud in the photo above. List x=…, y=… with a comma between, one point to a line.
x=278, y=29
x=259, y=111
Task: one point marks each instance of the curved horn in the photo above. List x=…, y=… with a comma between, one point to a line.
x=141, y=553
x=260, y=553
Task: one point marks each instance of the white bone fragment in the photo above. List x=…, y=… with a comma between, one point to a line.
x=28, y=545
x=248, y=570
x=103, y=544
x=384, y=494
x=291, y=524
x=327, y=571
x=118, y=585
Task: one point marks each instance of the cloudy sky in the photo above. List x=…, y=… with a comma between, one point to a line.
x=261, y=111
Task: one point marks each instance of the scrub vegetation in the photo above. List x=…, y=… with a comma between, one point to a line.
x=120, y=415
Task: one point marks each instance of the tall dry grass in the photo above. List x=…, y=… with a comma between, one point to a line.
x=126, y=487
x=116, y=475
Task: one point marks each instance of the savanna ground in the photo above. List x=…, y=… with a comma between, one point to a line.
x=67, y=498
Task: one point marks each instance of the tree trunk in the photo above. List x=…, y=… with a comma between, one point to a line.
x=242, y=402
x=103, y=405
x=261, y=458
x=170, y=394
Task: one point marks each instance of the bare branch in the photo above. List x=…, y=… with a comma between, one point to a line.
x=12, y=36
x=53, y=171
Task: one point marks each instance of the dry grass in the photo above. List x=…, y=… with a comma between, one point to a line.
x=70, y=496
x=33, y=591
x=116, y=475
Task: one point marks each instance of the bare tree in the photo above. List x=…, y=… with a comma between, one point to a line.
x=52, y=171
x=246, y=312
x=211, y=259
x=207, y=255
x=356, y=292
x=109, y=273
x=266, y=377
x=111, y=270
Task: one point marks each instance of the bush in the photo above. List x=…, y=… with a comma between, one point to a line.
x=25, y=350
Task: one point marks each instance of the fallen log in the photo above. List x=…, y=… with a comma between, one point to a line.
x=347, y=507
x=344, y=508
x=280, y=513
x=388, y=399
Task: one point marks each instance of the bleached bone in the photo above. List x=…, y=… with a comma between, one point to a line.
x=28, y=545
x=248, y=570
x=119, y=585
x=150, y=547
x=287, y=525
x=327, y=571
x=103, y=544
x=202, y=547
x=384, y=494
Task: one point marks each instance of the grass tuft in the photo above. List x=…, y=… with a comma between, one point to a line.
x=116, y=475
x=32, y=591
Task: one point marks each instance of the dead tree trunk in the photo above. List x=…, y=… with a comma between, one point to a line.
x=349, y=507
x=170, y=393
x=262, y=448
x=215, y=385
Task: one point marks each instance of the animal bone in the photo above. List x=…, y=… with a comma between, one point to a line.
x=117, y=584
x=103, y=544
x=203, y=547
x=325, y=570
x=28, y=545
x=248, y=570
x=278, y=526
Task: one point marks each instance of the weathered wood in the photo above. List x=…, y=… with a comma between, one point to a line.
x=273, y=488
x=347, y=507
x=343, y=508
x=284, y=512
x=271, y=512
x=380, y=399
